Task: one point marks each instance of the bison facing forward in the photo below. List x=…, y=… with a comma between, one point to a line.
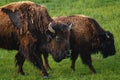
x=24, y=26
x=87, y=37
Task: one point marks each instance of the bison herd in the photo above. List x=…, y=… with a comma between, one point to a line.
x=27, y=27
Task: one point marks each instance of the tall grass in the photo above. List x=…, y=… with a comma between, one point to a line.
x=106, y=12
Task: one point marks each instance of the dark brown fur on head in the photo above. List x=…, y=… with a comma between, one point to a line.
x=60, y=41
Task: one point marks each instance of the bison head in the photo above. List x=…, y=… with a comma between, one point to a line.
x=58, y=37
x=107, y=44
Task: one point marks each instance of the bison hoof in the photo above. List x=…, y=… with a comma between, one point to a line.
x=73, y=69
x=93, y=72
x=46, y=76
x=22, y=73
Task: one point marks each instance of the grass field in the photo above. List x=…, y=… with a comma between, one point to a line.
x=106, y=12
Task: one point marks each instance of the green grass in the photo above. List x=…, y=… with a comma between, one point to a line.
x=106, y=12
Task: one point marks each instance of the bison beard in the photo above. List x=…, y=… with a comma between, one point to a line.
x=23, y=26
x=87, y=37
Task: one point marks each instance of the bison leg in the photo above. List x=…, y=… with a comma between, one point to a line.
x=37, y=61
x=19, y=62
x=46, y=63
x=74, y=57
x=86, y=59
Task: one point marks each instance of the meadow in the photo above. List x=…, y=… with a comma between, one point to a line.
x=106, y=12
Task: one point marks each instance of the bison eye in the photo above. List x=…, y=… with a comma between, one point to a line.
x=58, y=38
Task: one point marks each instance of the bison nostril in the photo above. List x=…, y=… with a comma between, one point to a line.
x=68, y=53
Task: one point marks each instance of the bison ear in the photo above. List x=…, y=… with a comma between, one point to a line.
x=14, y=17
x=49, y=35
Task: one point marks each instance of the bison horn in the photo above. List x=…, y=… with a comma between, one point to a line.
x=107, y=35
x=50, y=28
x=70, y=26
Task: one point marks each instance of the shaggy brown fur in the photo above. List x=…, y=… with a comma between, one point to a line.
x=87, y=36
x=24, y=27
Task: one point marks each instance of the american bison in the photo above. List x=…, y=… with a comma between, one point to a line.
x=87, y=37
x=25, y=26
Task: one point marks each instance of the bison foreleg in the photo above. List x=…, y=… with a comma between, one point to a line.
x=19, y=58
x=92, y=68
x=74, y=57
x=46, y=63
x=37, y=61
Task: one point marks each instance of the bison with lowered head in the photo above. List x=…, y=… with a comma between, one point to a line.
x=87, y=37
x=25, y=26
